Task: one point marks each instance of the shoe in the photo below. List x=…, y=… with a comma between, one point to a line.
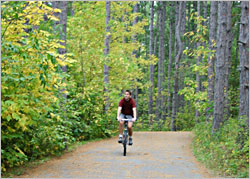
x=120, y=140
x=130, y=141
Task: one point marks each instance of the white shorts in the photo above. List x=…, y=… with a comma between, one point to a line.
x=123, y=116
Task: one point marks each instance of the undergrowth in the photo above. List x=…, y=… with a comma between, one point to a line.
x=222, y=151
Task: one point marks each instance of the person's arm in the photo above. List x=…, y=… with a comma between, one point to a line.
x=134, y=109
x=119, y=113
x=134, y=114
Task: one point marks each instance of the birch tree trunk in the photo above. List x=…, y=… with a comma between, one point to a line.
x=106, y=53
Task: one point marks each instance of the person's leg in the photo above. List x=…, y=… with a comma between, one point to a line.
x=120, y=131
x=130, y=131
x=121, y=127
x=121, y=124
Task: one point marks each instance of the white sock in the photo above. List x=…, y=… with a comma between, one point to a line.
x=130, y=137
x=120, y=135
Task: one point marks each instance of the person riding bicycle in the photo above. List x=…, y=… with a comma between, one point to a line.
x=127, y=107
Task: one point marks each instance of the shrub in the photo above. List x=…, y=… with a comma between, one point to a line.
x=222, y=150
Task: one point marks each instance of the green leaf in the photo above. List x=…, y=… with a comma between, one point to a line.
x=8, y=118
x=16, y=116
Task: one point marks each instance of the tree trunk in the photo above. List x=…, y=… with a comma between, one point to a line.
x=82, y=66
x=181, y=77
x=198, y=60
x=170, y=57
x=106, y=53
x=163, y=97
x=244, y=62
x=188, y=16
x=159, y=104
x=189, y=45
x=205, y=12
x=135, y=10
x=220, y=67
x=205, y=24
x=228, y=57
x=183, y=20
x=177, y=59
x=158, y=99
x=63, y=22
x=150, y=104
x=156, y=28
x=62, y=5
x=175, y=86
x=211, y=59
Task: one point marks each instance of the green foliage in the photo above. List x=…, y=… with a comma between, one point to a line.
x=198, y=100
x=37, y=121
x=29, y=74
x=85, y=41
x=223, y=151
x=185, y=120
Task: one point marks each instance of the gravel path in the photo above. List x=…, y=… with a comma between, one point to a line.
x=153, y=155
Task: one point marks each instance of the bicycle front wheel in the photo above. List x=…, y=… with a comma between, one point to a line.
x=125, y=150
x=125, y=145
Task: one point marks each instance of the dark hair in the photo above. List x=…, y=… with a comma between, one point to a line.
x=128, y=92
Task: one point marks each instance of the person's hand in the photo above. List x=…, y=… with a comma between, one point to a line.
x=133, y=119
x=119, y=119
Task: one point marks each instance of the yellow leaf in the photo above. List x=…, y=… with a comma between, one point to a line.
x=57, y=10
x=53, y=18
x=52, y=115
x=19, y=150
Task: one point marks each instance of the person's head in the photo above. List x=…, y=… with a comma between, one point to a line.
x=127, y=94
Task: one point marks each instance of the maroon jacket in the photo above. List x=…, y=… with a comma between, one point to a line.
x=127, y=106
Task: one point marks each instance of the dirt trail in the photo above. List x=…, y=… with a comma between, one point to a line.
x=153, y=155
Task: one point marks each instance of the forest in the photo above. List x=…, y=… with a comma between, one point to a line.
x=65, y=65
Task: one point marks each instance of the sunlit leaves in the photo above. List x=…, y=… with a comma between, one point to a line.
x=86, y=41
x=29, y=72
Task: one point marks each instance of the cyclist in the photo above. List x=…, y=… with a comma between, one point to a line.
x=126, y=107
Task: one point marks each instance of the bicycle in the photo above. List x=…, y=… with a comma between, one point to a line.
x=125, y=135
